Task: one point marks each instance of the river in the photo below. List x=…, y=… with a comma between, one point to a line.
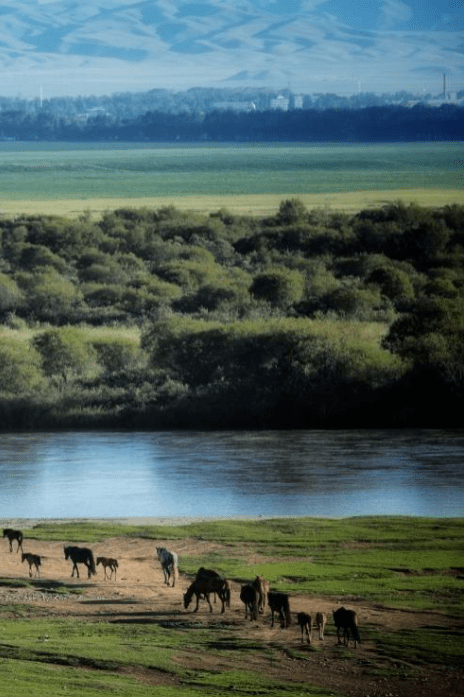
x=232, y=473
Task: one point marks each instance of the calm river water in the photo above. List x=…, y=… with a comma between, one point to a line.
x=270, y=473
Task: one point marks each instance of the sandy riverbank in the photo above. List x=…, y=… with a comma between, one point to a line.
x=132, y=520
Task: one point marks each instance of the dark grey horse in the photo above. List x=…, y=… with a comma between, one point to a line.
x=168, y=561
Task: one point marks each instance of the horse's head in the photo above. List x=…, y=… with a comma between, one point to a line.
x=188, y=596
x=66, y=553
x=23, y=557
x=99, y=560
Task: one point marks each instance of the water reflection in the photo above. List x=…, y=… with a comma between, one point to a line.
x=315, y=473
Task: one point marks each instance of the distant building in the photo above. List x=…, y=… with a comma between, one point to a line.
x=298, y=101
x=235, y=106
x=280, y=102
x=92, y=113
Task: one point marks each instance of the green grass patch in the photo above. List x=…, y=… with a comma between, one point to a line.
x=55, y=651
x=423, y=646
x=103, y=170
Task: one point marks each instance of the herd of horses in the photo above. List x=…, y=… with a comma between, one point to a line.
x=253, y=595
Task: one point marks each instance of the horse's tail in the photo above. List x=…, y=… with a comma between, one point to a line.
x=226, y=592
x=175, y=571
x=92, y=568
x=355, y=631
x=288, y=617
x=255, y=607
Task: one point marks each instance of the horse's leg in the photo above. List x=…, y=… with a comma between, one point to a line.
x=272, y=616
x=198, y=603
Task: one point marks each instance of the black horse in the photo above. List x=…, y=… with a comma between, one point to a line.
x=279, y=603
x=83, y=555
x=250, y=597
x=346, y=620
x=12, y=535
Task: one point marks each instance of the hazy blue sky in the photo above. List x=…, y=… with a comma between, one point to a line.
x=343, y=46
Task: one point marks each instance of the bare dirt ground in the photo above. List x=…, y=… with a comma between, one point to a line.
x=139, y=595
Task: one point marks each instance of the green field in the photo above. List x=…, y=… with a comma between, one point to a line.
x=95, y=176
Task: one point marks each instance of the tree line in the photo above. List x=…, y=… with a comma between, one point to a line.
x=377, y=123
x=169, y=319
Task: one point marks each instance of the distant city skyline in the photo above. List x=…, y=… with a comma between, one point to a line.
x=52, y=48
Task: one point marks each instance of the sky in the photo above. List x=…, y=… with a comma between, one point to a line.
x=64, y=47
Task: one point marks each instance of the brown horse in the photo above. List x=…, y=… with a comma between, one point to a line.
x=348, y=621
x=203, y=572
x=34, y=561
x=108, y=562
x=203, y=587
x=321, y=620
x=262, y=587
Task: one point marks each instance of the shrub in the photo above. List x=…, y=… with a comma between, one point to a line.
x=11, y=296
x=279, y=286
x=19, y=367
x=65, y=354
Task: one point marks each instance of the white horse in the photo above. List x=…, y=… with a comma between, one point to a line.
x=168, y=561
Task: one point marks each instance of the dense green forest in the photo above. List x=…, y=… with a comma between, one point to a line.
x=150, y=319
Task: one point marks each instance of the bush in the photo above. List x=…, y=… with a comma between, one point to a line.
x=278, y=286
x=11, y=296
x=20, y=367
x=65, y=354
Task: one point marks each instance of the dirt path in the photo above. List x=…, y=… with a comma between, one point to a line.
x=139, y=594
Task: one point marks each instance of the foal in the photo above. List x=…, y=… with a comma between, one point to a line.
x=304, y=621
x=108, y=562
x=33, y=560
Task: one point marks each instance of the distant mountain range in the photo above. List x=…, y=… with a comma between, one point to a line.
x=71, y=47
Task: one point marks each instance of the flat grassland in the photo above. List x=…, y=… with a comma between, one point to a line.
x=70, y=179
x=132, y=636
